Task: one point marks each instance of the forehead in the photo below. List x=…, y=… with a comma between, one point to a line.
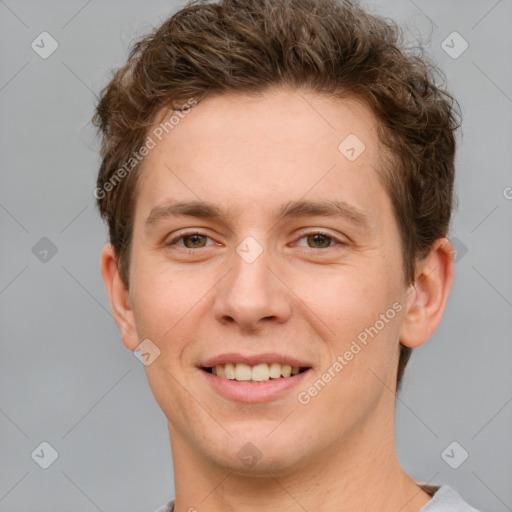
x=281, y=116
x=242, y=151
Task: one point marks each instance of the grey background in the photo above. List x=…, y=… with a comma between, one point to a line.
x=65, y=376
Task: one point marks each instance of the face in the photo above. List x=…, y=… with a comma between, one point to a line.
x=293, y=265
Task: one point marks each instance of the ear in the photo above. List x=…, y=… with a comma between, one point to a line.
x=119, y=297
x=427, y=297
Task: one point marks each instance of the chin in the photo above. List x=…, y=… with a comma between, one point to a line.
x=253, y=452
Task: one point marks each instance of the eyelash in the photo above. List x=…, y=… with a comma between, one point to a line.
x=302, y=235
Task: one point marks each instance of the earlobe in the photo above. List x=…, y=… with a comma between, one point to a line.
x=426, y=301
x=119, y=297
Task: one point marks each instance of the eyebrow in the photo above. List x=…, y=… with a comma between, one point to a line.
x=302, y=208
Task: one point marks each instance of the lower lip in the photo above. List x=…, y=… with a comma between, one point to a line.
x=253, y=392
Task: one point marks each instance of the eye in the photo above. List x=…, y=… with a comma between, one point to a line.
x=194, y=240
x=320, y=240
x=191, y=240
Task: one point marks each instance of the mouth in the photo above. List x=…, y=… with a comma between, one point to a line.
x=254, y=378
x=257, y=373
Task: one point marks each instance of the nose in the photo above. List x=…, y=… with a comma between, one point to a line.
x=252, y=294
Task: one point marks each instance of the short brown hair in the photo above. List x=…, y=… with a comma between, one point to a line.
x=330, y=47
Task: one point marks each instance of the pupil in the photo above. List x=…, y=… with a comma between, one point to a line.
x=318, y=239
x=194, y=239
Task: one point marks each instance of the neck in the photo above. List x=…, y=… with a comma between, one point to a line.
x=356, y=475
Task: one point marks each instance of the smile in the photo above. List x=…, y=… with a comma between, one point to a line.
x=260, y=372
x=254, y=378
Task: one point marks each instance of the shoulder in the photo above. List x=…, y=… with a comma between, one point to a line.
x=167, y=507
x=446, y=499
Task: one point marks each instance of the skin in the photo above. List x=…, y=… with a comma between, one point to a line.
x=302, y=297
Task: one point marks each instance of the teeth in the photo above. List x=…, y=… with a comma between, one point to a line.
x=286, y=370
x=243, y=372
x=220, y=372
x=229, y=370
x=275, y=370
x=258, y=373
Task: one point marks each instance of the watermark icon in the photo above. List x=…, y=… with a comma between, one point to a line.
x=351, y=147
x=249, y=455
x=459, y=247
x=146, y=352
x=304, y=397
x=44, y=250
x=454, y=455
x=44, y=45
x=507, y=192
x=454, y=45
x=150, y=143
x=249, y=249
x=44, y=455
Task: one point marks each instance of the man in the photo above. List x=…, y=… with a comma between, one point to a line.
x=277, y=180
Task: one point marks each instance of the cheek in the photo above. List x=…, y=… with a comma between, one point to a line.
x=348, y=299
x=169, y=305
x=157, y=299
x=356, y=313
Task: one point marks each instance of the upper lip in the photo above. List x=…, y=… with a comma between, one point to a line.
x=253, y=360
